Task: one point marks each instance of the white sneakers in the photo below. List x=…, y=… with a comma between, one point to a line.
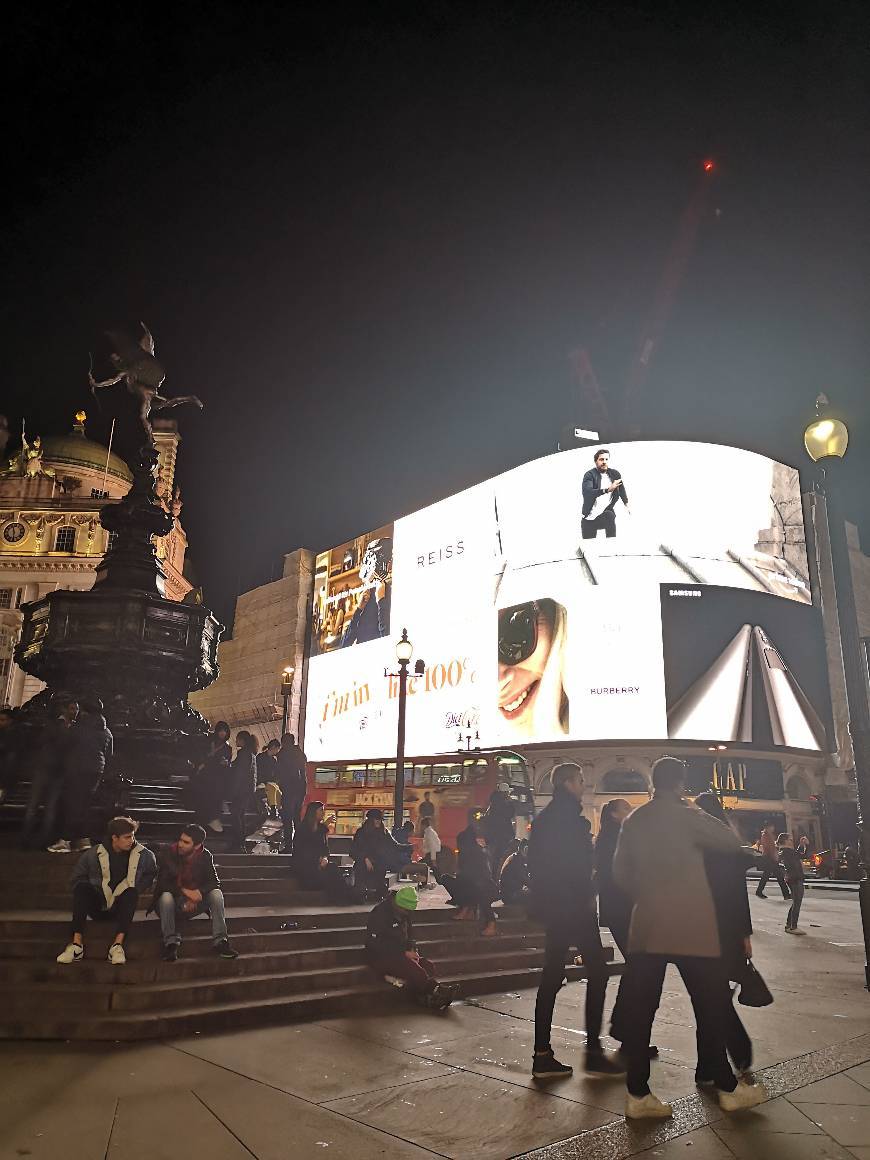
x=745, y=1095
x=648, y=1107
x=72, y=954
x=60, y=847
x=75, y=954
x=116, y=955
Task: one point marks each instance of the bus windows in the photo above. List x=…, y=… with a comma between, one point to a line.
x=325, y=776
x=390, y=773
x=475, y=771
x=376, y=774
x=447, y=774
x=513, y=771
x=422, y=775
x=352, y=775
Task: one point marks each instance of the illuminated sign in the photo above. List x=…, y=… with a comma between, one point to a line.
x=660, y=590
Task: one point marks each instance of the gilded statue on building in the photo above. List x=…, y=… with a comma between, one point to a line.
x=28, y=461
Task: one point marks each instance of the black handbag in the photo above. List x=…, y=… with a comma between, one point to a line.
x=754, y=992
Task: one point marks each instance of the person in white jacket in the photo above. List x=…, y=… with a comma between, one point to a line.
x=431, y=845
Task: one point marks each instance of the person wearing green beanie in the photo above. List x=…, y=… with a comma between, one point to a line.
x=392, y=951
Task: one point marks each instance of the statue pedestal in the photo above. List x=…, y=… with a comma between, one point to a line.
x=127, y=645
x=140, y=654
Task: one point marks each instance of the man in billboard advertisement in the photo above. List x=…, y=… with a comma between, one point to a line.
x=602, y=487
x=352, y=587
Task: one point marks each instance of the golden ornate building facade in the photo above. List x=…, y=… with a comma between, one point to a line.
x=51, y=492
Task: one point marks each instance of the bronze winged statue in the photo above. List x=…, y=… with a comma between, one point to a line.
x=143, y=374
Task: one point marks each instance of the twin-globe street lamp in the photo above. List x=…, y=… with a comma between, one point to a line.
x=404, y=652
x=826, y=440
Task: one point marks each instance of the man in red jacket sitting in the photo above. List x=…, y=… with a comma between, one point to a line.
x=187, y=885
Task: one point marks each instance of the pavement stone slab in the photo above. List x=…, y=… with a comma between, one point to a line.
x=846, y=1123
x=702, y=1144
x=274, y=1125
x=149, y=1129
x=786, y=1146
x=310, y=1061
x=836, y=1089
x=462, y=1115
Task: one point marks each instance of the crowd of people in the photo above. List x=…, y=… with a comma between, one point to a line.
x=263, y=782
x=668, y=879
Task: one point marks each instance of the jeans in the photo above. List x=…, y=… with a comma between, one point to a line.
x=45, y=790
x=617, y=1017
x=797, y=897
x=88, y=902
x=589, y=529
x=583, y=935
x=770, y=870
x=420, y=975
x=170, y=907
x=737, y=1041
x=706, y=982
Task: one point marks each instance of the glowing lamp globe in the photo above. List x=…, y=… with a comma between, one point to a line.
x=825, y=439
x=404, y=648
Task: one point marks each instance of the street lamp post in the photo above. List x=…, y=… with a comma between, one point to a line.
x=404, y=652
x=826, y=440
x=286, y=690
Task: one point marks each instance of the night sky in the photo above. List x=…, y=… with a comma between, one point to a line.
x=370, y=237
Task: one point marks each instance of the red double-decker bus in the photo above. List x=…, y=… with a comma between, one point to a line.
x=457, y=785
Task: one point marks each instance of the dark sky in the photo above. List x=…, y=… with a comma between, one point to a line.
x=369, y=239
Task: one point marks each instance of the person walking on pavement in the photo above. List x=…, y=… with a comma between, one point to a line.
x=291, y=779
x=563, y=899
x=188, y=885
x=614, y=905
x=726, y=874
x=659, y=862
x=88, y=751
x=794, y=875
x=770, y=867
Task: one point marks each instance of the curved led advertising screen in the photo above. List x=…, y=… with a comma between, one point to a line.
x=658, y=591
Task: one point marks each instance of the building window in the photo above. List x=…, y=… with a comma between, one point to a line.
x=5, y=597
x=5, y=663
x=97, y=494
x=111, y=541
x=65, y=539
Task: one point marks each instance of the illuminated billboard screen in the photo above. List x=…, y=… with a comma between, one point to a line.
x=660, y=592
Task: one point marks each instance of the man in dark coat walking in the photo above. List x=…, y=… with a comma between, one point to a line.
x=560, y=868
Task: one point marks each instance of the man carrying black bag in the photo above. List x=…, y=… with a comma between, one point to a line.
x=562, y=898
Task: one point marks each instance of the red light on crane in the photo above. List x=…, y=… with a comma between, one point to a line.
x=709, y=165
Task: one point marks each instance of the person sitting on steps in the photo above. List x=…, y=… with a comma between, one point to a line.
x=106, y=885
x=392, y=951
x=188, y=885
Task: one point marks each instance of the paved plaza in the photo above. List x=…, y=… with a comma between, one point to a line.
x=415, y=1084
